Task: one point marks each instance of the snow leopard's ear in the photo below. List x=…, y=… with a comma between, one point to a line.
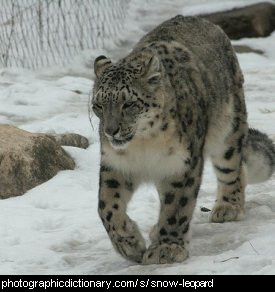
x=152, y=69
x=100, y=64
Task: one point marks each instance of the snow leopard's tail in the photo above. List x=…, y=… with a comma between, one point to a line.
x=259, y=157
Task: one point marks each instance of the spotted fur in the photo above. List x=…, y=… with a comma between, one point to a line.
x=175, y=99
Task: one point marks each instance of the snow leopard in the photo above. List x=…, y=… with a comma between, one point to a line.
x=176, y=99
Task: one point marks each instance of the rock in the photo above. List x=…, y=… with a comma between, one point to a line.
x=27, y=160
x=246, y=49
x=70, y=139
x=256, y=20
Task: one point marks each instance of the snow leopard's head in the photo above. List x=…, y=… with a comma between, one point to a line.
x=128, y=97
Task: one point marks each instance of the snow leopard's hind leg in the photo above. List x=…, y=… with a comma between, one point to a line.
x=227, y=159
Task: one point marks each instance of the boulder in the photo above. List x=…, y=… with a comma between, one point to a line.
x=256, y=20
x=246, y=49
x=27, y=160
x=70, y=139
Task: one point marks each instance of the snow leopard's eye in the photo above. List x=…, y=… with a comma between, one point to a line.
x=129, y=105
x=97, y=108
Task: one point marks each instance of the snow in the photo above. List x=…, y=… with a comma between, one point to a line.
x=55, y=229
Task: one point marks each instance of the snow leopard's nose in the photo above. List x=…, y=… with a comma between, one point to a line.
x=111, y=130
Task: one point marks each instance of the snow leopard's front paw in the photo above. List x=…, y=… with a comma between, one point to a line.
x=164, y=254
x=224, y=212
x=128, y=241
x=131, y=248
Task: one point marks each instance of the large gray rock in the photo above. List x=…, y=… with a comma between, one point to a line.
x=27, y=160
x=70, y=139
x=256, y=20
x=246, y=49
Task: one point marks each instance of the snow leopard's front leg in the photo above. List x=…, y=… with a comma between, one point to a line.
x=115, y=191
x=178, y=197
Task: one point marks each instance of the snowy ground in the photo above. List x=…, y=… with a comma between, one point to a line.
x=54, y=228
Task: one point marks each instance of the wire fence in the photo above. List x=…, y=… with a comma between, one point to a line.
x=39, y=33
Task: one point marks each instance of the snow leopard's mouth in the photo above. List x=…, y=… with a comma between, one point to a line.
x=120, y=143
